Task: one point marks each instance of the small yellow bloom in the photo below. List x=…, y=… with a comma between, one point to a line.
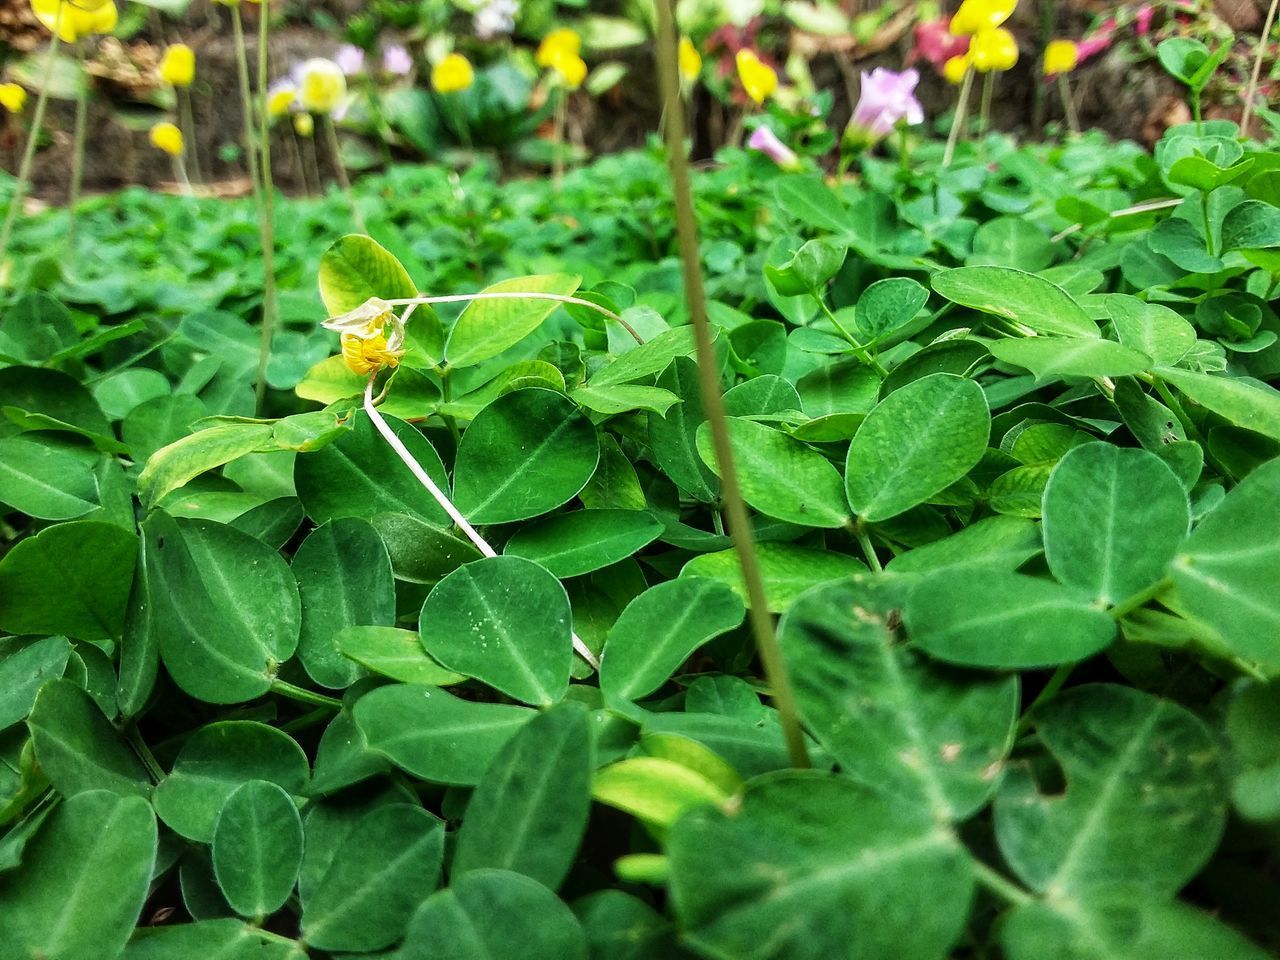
x=452, y=74
x=994, y=49
x=758, y=78
x=73, y=20
x=572, y=70
x=690, y=60
x=955, y=68
x=974, y=16
x=12, y=97
x=280, y=99
x=1060, y=56
x=322, y=86
x=178, y=65
x=168, y=138
x=368, y=356
x=557, y=45
x=363, y=334
x=304, y=125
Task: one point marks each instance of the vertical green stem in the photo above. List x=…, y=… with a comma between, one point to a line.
x=29, y=154
x=988, y=90
x=77, y=149
x=735, y=509
x=189, y=130
x=1252, y=90
x=180, y=174
x=1195, y=112
x=1068, y=104
x=246, y=102
x=957, y=122
x=561, y=121
x=335, y=148
x=267, y=214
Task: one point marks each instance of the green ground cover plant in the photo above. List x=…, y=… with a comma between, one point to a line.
x=1007, y=435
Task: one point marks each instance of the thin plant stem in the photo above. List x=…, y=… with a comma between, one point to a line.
x=246, y=102
x=134, y=737
x=984, y=114
x=303, y=695
x=298, y=162
x=1140, y=599
x=868, y=548
x=313, y=163
x=762, y=625
x=77, y=149
x=957, y=122
x=1068, y=104
x=1050, y=690
x=561, y=121
x=267, y=214
x=189, y=130
x=859, y=350
x=29, y=154
x=999, y=884
x=446, y=504
x=459, y=116
x=335, y=148
x=180, y=174
x=1252, y=90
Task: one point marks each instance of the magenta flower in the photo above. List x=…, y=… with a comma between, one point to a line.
x=887, y=99
x=936, y=43
x=350, y=59
x=1142, y=19
x=767, y=142
x=396, y=60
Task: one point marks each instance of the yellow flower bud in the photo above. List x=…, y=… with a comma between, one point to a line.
x=178, y=65
x=690, y=60
x=974, y=16
x=993, y=50
x=322, y=86
x=12, y=97
x=280, y=99
x=572, y=70
x=1060, y=56
x=167, y=137
x=304, y=125
x=955, y=68
x=73, y=20
x=452, y=74
x=758, y=78
x=365, y=356
x=557, y=45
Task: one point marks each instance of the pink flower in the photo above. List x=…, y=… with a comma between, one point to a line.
x=1097, y=41
x=350, y=59
x=887, y=99
x=935, y=43
x=767, y=142
x=1142, y=19
x=396, y=59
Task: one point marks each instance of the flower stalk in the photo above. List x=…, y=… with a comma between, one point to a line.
x=1252, y=90
x=957, y=122
x=77, y=148
x=266, y=215
x=340, y=168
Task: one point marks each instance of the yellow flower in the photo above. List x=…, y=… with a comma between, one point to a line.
x=1060, y=56
x=73, y=20
x=368, y=356
x=572, y=70
x=994, y=49
x=365, y=346
x=974, y=16
x=955, y=68
x=322, y=85
x=304, y=125
x=758, y=78
x=12, y=97
x=557, y=45
x=168, y=138
x=452, y=74
x=690, y=60
x=178, y=65
x=280, y=98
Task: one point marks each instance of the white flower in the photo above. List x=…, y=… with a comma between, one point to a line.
x=495, y=18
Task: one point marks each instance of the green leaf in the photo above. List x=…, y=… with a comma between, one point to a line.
x=356, y=268
x=780, y=476
x=344, y=580
x=657, y=790
x=809, y=268
x=1049, y=357
x=674, y=436
x=1005, y=620
x=1113, y=520
x=788, y=570
x=810, y=863
x=44, y=481
x=1144, y=803
x=1251, y=225
x=77, y=747
x=997, y=543
x=54, y=905
x=488, y=327
x=421, y=552
x=257, y=848
x=24, y=670
x=888, y=305
x=1255, y=407
x=660, y=629
x=932, y=737
x=524, y=454
x=506, y=622
x=201, y=573
x=433, y=735
x=494, y=915
x=72, y=578
x=652, y=357
x=225, y=939
x=1225, y=575
x=1022, y=297
x=572, y=544
x=529, y=811
x=216, y=760
x=1150, y=328
x=1251, y=724
x=388, y=864
x=618, y=398
x=361, y=476
x=1184, y=245
x=394, y=653
x=916, y=442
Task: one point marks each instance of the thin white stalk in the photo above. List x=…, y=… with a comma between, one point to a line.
x=516, y=295
x=1117, y=214
x=1252, y=91
x=423, y=478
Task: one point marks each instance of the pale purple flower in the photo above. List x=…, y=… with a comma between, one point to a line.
x=396, y=59
x=767, y=142
x=350, y=59
x=496, y=18
x=887, y=98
